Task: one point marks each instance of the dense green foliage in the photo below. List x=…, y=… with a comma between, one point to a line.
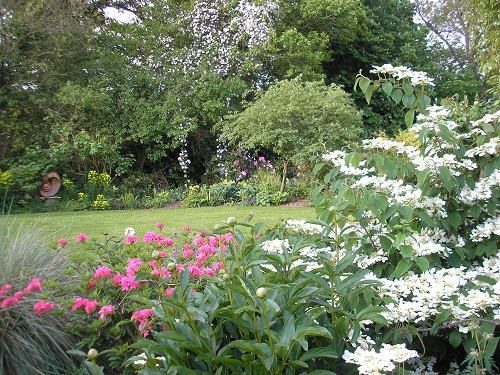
x=144, y=100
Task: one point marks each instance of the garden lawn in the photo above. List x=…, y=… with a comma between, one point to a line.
x=96, y=223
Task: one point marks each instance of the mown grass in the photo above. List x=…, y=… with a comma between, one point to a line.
x=96, y=223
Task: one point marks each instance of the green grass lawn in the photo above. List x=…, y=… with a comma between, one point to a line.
x=95, y=223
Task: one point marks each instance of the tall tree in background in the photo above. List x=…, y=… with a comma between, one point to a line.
x=468, y=30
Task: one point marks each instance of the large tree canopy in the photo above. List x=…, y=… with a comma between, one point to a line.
x=80, y=90
x=298, y=121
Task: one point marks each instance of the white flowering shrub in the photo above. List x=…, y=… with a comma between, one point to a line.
x=423, y=224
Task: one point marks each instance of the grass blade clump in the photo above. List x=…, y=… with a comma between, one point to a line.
x=30, y=343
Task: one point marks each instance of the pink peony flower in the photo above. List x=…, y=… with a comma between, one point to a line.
x=160, y=225
x=169, y=292
x=62, y=241
x=217, y=266
x=131, y=239
x=187, y=253
x=117, y=279
x=35, y=285
x=9, y=301
x=133, y=265
x=19, y=295
x=106, y=311
x=198, y=241
x=82, y=237
x=129, y=283
x=89, y=306
x=42, y=306
x=102, y=271
x=150, y=237
x=167, y=241
x=4, y=289
x=142, y=317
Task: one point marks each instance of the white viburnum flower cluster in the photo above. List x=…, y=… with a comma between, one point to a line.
x=308, y=255
x=483, y=191
x=337, y=159
x=402, y=72
x=418, y=298
x=433, y=241
x=485, y=230
x=371, y=362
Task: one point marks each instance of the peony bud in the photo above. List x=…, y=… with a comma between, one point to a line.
x=261, y=293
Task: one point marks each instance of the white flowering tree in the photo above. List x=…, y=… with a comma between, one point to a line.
x=420, y=218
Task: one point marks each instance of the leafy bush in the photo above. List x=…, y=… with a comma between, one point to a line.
x=29, y=342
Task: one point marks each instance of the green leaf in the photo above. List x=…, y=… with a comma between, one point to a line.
x=403, y=266
x=369, y=92
x=409, y=117
x=364, y=83
x=406, y=251
x=397, y=95
x=408, y=100
x=313, y=331
x=321, y=372
x=455, y=219
x=455, y=338
x=408, y=88
x=423, y=102
x=406, y=212
x=426, y=219
x=446, y=178
x=422, y=263
x=387, y=88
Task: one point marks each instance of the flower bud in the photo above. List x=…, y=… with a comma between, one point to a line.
x=226, y=276
x=155, y=254
x=231, y=221
x=92, y=353
x=171, y=266
x=261, y=293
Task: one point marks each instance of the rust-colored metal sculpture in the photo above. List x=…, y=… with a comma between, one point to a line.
x=50, y=185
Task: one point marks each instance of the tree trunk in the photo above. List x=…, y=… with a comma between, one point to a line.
x=283, y=180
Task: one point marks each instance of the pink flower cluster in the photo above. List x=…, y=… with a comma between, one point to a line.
x=143, y=317
x=35, y=285
x=89, y=306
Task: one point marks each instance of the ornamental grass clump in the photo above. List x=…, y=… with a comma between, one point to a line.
x=32, y=335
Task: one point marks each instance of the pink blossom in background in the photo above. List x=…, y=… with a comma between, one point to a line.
x=62, y=241
x=194, y=271
x=106, y=311
x=131, y=239
x=208, y=271
x=9, y=301
x=198, y=241
x=91, y=284
x=142, y=317
x=4, y=289
x=187, y=253
x=150, y=237
x=179, y=267
x=117, y=279
x=42, y=306
x=187, y=229
x=169, y=292
x=35, y=285
x=163, y=253
x=167, y=241
x=160, y=225
x=82, y=237
x=217, y=266
x=102, y=271
x=152, y=263
x=19, y=295
x=89, y=306
x=129, y=283
x=133, y=265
